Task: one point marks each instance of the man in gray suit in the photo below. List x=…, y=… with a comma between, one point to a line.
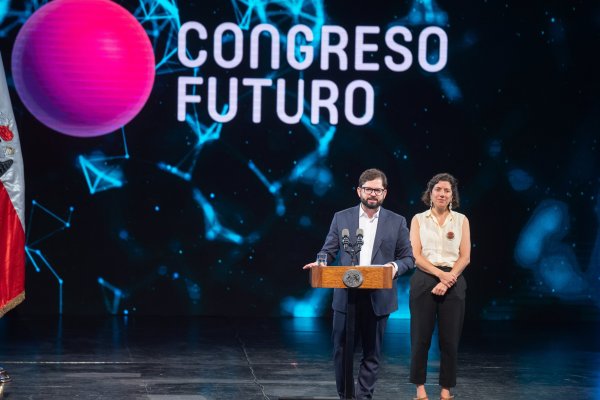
x=386, y=242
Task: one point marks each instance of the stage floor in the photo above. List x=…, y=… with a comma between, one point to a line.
x=214, y=358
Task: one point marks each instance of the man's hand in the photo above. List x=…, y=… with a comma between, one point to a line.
x=310, y=265
x=394, y=268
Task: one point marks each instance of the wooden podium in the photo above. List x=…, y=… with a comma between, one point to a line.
x=352, y=278
x=374, y=277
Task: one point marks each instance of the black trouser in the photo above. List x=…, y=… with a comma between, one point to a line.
x=425, y=308
x=370, y=328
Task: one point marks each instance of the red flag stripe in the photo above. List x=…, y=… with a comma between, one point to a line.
x=12, y=256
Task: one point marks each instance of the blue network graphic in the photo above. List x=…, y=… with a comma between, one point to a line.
x=33, y=252
x=104, y=172
x=310, y=169
x=12, y=17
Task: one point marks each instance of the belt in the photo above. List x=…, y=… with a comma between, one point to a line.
x=443, y=268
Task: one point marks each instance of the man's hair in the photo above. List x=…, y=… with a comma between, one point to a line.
x=372, y=174
x=443, y=177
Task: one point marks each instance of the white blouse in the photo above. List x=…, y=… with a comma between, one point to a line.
x=440, y=244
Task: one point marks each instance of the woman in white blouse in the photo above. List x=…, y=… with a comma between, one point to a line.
x=441, y=243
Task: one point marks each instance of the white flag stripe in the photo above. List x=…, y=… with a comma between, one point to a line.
x=13, y=179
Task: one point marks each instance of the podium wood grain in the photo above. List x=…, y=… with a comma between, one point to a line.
x=374, y=277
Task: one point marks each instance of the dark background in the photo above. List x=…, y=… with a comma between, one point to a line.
x=518, y=126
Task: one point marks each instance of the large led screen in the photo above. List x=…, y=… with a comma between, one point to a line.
x=186, y=157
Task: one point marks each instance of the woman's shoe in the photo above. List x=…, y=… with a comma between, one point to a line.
x=451, y=397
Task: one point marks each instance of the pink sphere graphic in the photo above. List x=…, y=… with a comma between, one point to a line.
x=83, y=67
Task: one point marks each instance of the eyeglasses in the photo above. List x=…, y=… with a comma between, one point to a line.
x=368, y=190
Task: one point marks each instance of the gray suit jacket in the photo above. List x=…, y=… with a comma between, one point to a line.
x=392, y=244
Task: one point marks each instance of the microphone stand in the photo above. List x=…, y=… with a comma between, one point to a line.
x=353, y=249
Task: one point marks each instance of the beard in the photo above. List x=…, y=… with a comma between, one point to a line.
x=371, y=206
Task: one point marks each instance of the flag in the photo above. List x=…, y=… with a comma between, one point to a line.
x=12, y=206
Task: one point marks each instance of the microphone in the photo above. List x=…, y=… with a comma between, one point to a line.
x=345, y=238
x=359, y=238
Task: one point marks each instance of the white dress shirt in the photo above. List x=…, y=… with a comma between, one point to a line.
x=369, y=227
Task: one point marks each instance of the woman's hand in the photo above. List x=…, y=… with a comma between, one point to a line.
x=439, y=289
x=447, y=278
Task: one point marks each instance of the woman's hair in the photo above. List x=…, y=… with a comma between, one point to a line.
x=446, y=177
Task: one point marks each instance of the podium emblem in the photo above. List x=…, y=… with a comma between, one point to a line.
x=352, y=278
